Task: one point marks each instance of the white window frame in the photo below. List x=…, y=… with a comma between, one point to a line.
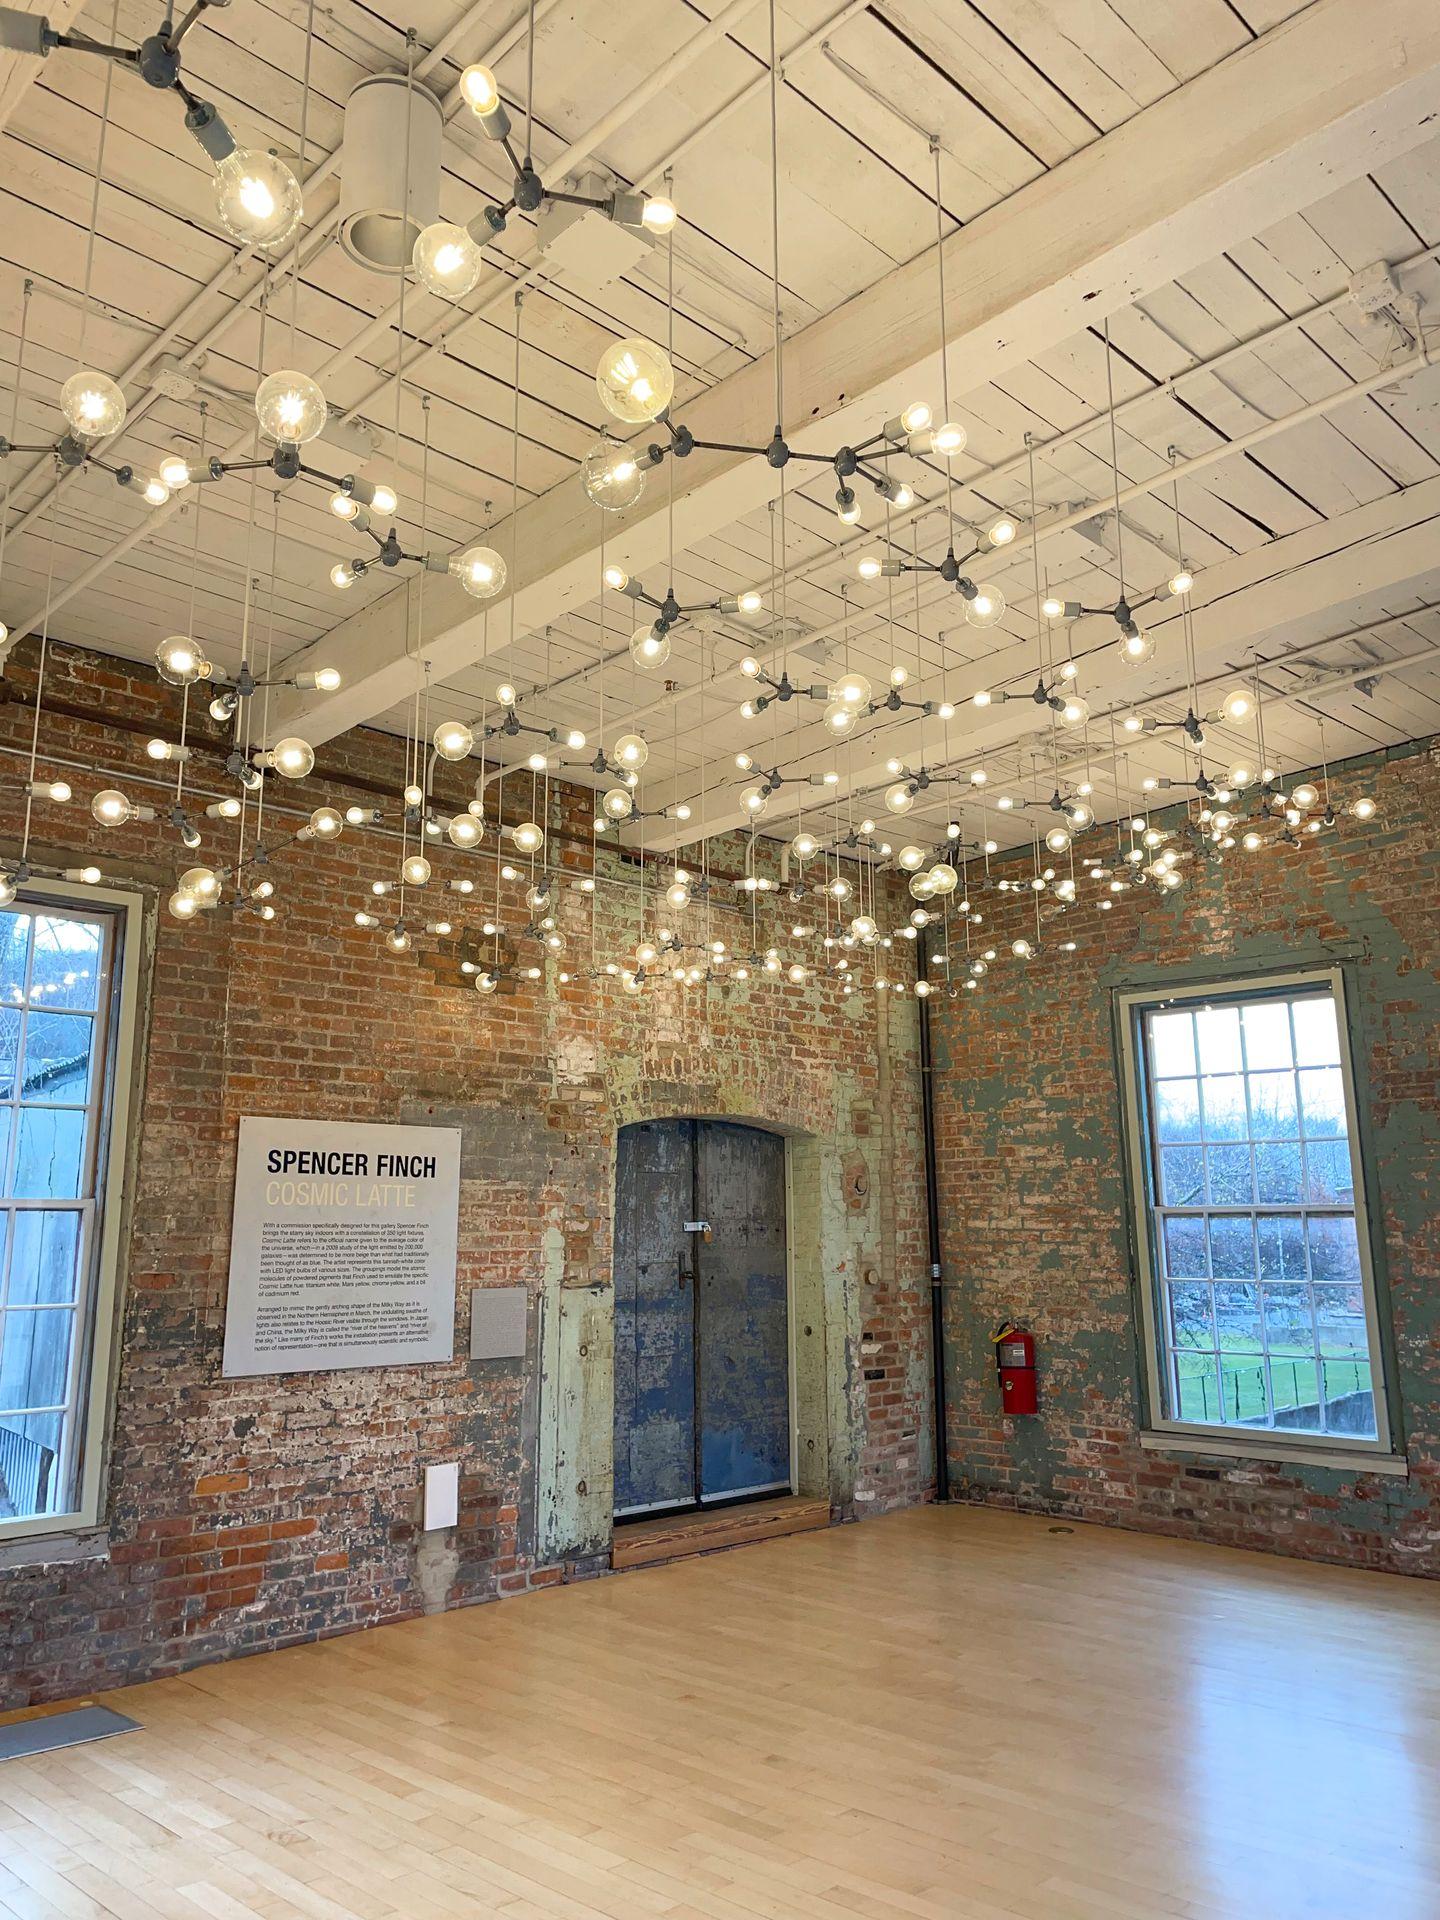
x=101, y=1282
x=1291, y=1445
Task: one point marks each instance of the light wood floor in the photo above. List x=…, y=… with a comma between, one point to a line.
x=947, y=1714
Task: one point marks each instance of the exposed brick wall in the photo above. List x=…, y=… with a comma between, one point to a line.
x=1030, y=1145
x=251, y=1513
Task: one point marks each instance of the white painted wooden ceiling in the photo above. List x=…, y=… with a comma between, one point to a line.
x=1015, y=87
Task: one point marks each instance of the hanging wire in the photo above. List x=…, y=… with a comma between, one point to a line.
x=95, y=194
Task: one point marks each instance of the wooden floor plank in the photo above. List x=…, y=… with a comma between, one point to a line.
x=946, y=1714
x=647, y=1543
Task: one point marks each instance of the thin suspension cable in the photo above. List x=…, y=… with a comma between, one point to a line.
x=95, y=193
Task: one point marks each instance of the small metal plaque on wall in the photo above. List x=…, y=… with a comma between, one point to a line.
x=497, y=1323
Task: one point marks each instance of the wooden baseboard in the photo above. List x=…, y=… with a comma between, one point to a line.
x=647, y=1543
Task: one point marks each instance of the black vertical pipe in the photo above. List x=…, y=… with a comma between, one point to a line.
x=932, y=1222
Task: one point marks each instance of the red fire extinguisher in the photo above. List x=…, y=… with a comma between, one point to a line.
x=1015, y=1360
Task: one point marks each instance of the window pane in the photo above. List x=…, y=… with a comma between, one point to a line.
x=34, y=1357
x=1242, y=1386
x=1322, y=1102
x=1230, y=1181
x=1232, y=1247
x=1340, y=1321
x=1272, y=1106
x=1172, y=1049
x=14, y=942
x=57, y=1058
x=1334, y=1249
x=1278, y=1172
x=1329, y=1181
x=66, y=968
x=1199, y=1394
x=9, y=1047
x=1317, y=1035
x=1182, y=1176
x=1191, y=1323
x=1349, y=1398
x=1185, y=1248
x=42, y=1269
x=1177, y=1110
x=1224, y=1097
x=1288, y=1327
x=1217, y=1033
x=1237, y=1317
x=1282, y=1246
x=1267, y=1034
x=49, y=1152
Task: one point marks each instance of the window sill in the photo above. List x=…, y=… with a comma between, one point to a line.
x=1339, y=1459
x=59, y=1549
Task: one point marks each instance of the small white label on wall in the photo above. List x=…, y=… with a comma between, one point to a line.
x=342, y=1250
x=442, y=1495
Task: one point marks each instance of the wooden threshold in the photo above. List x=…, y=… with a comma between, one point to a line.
x=647, y=1543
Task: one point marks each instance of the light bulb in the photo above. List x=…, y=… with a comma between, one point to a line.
x=795, y=974
x=154, y=492
x=446, y=260
x=949, y=439
x=505, y=694
x=853, y=688
x=649, y=647
x=1080, y=815
x=839, y=718
x=342, y=575
x=612, y=477
x=479, y=90
x=1021, y=949
x=863, y=927
x=916, y=417
x=752, y=601
x=943, y=877
x=868, y=567
x=631, y=752
x=384, y=500
x=575, y=739
x=202, y=882
x=184, y=906
x=1051, y=607
x=847, y=507
x=922, y=887
x=899, y=798
x=1240, y=775
x=1181, y=582
x=398, y=940
x=1057, y=839
x=110, y=808
x=344, y=506
x=174, y=472
x=1075, y=711
x=1136, y=646
x=93, y=404
x=616, y=578
x=677, y=895
x=1237, y=705
x=180, y=661
x=658, y=214
x=159, y=749
x=486, y=982
x=465, y=831
x=1002, y=531
x=257, y=198
x=898, y=676
x=481, y=572
x=528, y=838
x=290, y=407
x=911, y=858
x=804, y=846
x=1305, y=795
x=617, y=803
x=987, y=608
x=292, y=758
x=635, y=380
x=453, y=740
x=754, y=800
x=1363, y=808
x=413, y=796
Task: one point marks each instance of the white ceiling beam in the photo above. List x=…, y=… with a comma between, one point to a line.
x=1339, y=89
x=19, y=70
x=1388, y=545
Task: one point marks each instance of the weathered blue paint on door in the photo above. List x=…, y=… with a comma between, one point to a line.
x=654, y=1317
x=744, y=1371
x=702, y=1394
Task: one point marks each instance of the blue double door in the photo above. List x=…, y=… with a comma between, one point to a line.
x=702, y=1344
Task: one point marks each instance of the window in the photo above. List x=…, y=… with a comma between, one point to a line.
x=62, y=1020
x=1260, y=1301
